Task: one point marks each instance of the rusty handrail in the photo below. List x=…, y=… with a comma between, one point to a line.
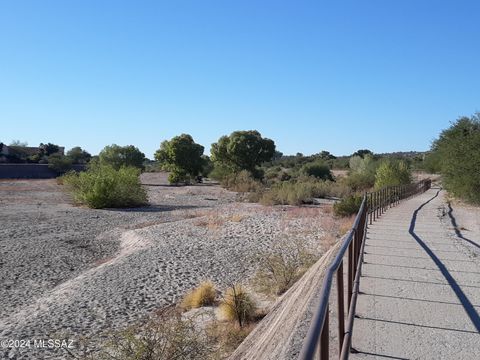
x=373, y=205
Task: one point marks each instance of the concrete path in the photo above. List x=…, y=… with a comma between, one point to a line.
x=420, y=286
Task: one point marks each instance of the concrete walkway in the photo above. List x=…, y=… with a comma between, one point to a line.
x=420, y=286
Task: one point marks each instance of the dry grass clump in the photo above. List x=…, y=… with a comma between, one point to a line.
x=212, y=222
x=166, y=337
x=228, y=337
x=280, y=268
x=345, y=224
x=237, y=217
x=242, y=182
x=304, y=212
x=237, y=305
x=203, y=295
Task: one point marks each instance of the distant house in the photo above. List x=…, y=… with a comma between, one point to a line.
x=15, y=154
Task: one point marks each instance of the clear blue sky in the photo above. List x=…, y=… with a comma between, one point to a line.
x=312, y=75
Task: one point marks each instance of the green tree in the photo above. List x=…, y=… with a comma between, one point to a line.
x=118, y=156
x=458, y=152
x=78, y=155
x=242, y=150
x=18, y=143
x=182, y=156
x=49, y=149
x=362, y=153
x=59, y=163
x=391, y=173
x=326, y=155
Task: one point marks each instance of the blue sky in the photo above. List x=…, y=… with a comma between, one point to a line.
x=312, y=75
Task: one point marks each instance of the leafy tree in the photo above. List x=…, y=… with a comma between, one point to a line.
x=78, y=155
x=391, y=173
x=243, y=150
x=182, y=156
x=118, y=156
x=49, y=149
x=362, y=153
x=432, y=162
x=277, y=155
x=458, y=149
x=18, y=143
x=325, y=155
x=59, y=163
x=207, y=165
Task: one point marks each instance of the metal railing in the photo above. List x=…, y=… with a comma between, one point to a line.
x=374, y=204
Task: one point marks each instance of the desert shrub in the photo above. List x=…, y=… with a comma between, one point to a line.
x=281, y=267
x=391, y=173
x=103, y=187
x=166, y=337
x=272, y=173
x=203, y=295
x=432, y=162
x=78, y=155
x=360, y=181
x=301, y=191
x=220, y=172
x=242, y=182
x=228, y=337
x=458, y=149
x=59, y=163
x=178, y=176
x=318, y=170
x=348, y=206
x=237, y=305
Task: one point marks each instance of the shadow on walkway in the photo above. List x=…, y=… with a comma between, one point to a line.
x=467, y=305
x=455, y=227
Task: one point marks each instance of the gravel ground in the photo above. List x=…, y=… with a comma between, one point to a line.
x=69, y=272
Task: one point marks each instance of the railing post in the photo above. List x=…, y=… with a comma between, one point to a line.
x=325, y=337
x=341, y=307
x=350, y=273
x=370, y=208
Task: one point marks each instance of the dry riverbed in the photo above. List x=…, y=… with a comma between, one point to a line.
x=68, y=272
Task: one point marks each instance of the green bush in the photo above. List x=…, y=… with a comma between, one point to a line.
x=318, y=170
x=348, y=206
x=242, y=182
x=103, y=186
x=220, y=172
x=392, y=173
x=301, y=191
x=59, y=163
x=360, y=181
x=178, y=176
x=458, y=149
